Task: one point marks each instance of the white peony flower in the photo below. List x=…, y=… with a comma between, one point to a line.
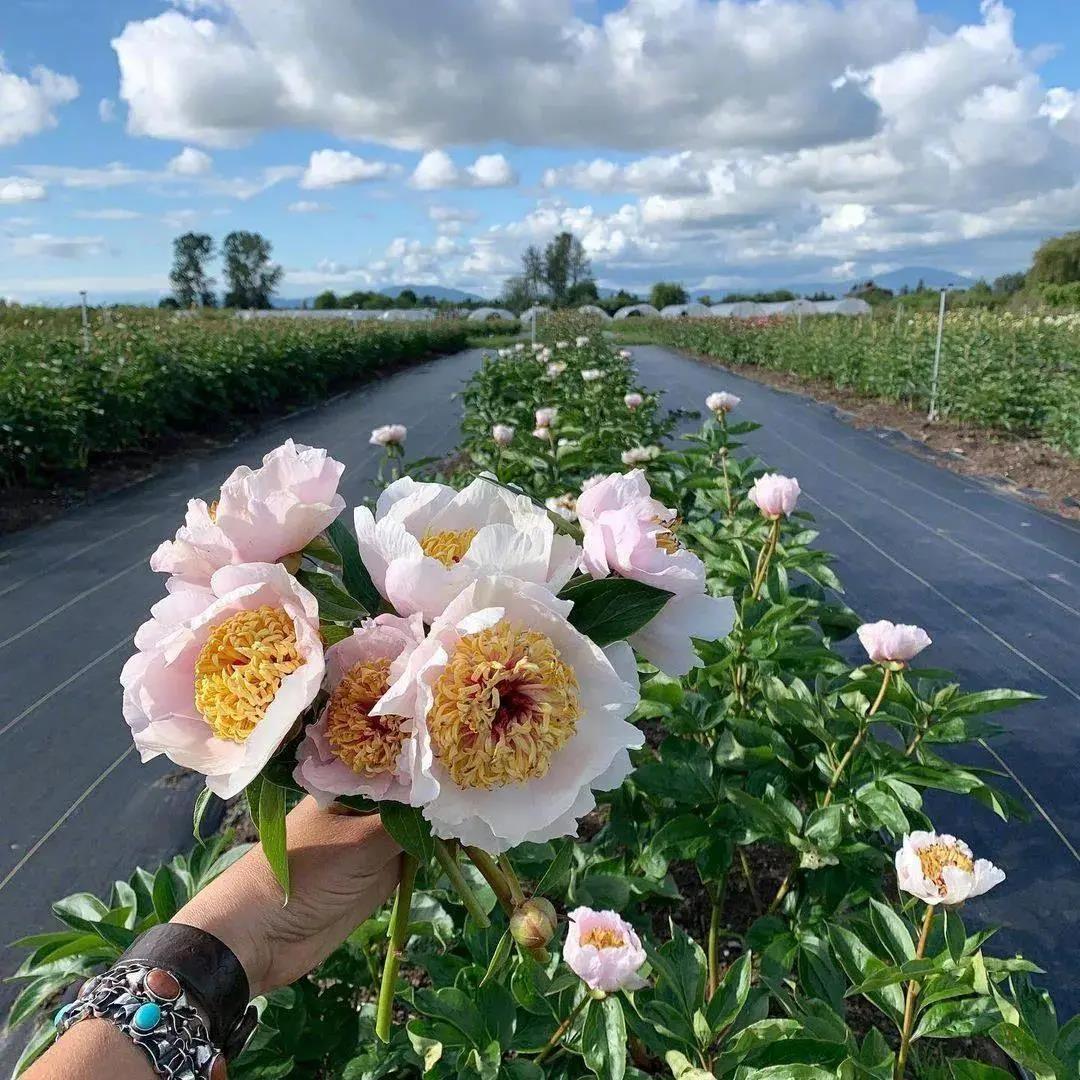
x=562, y=344
x=581, y=342
x=639, y=455
x=555, y=369
x=592, y=374
x=516, y=717
x=564, y=505
x=388, y=435
x=897, y=643
x=940, y=869
x=426, y=542
x=503, y=434
x=633, y=400
x=546, y=416
x=721, y=402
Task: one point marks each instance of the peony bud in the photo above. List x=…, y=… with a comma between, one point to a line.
x=388, y=435
x=633, y=401
x=774, y=495
x=721, y=402
x=533, y=924
x=887, y=642
x=503, y=434
x=546, y=416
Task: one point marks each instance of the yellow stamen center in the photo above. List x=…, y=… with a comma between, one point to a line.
x=666, y=540
x=602, y=938
x=504, y=705
x=448, y=547
x=212, y=510
x=240, y=668
x=367, y=744
x=935, y=857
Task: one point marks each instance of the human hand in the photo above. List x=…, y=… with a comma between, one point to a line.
x=341, y=868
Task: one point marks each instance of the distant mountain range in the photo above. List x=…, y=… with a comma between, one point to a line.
x=438, y=292
x=910, y=276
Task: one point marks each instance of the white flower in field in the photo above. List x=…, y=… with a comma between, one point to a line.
x=940, y=869
x=564, y=505
x=581, y=342
x=555, y=369
x=516, y=717
x=223, y=671
x=546, y=416
x=388, y=435
x=504, y=353
x=562, y=344
x=887, y=642
x=566, y=442
x=639, y=455
x=426, y=542
x=629, y=533
x=542, y=433
x=538, y=346
x=544, y=356
x=721, y=402
x=348, y=751
x=604, y=951
x=625, y=354
x=503, y=434
x=592, y=374
x=519, y=346
x=633, y=401
x=260, y=515
x=774, y=495
x=592, y=481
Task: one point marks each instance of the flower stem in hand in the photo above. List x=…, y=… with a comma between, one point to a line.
x=399, y=929
x=912, y=994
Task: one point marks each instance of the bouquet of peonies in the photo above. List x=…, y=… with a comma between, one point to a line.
x=463, y=664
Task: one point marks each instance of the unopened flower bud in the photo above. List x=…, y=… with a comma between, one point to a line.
x=533, y=924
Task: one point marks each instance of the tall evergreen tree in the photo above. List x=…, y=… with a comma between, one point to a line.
x=188, y=277
x=250, y=276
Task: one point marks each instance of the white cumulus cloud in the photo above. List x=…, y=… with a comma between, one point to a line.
x=332, y=168
x=58, y=247
x=436, y=170
x=190, y=162
x=27, y=104
x=19, y=189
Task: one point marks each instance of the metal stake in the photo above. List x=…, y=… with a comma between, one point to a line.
x=85, y=323
x=932, y=415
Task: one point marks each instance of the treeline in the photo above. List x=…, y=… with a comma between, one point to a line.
x=361, y=300
x=250, y=276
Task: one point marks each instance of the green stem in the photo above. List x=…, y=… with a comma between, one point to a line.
x=749, y=881
x=491, y=873
x=399, y=928
x=857, y=741
x=767, y=551
x=715, y=916
x=563, y=1028
x=911, y=995
x=448, y=861
x=517, y=894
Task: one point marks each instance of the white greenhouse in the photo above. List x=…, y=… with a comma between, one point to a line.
x=637, y=311
x=491, y=314
x=685, y=311
x=596, y=312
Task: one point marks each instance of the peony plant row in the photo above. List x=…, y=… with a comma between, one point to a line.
x=659, y=816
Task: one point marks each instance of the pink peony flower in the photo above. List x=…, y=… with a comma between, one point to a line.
x=503, y=434
x=940, y=869
x=633, y=401
x=546, y=416
x=628, y=532
x=261, y=515
x=887, y=642
x=223, y=672
x=774, y=495
x=388, y=435
x=721, y=402
x=348, y=751
x=604, y=951
x=542, y=433
x=625, y=354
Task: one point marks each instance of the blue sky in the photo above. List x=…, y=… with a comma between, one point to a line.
x=719, y=142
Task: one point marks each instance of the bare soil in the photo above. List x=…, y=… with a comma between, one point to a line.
x=1028, y=468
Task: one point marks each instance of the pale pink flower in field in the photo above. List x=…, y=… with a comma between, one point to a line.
x=564, y=505
x=546, y=416
x=519, y=346
x=388, y=435
x=562, y=344
x=633, y=400
x=887, y=642
x=348, y=751
x=555, y=369
x=721, y=402
x=592, y=374
x=604, y=951
x=426, y=542
x=774, y=495
x=639, y=455
x=503, y=434
x=538, y=346
x=625, y=354
x=542, y=433
x=260, y=515
x=592, y=481
x=516, y=717
x=940, y=869
x=185, y=693
x=582, y=341
x=628, y=532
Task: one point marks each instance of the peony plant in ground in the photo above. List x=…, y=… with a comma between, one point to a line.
x=661, y=794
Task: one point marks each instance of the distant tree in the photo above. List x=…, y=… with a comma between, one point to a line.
x=705, y=299
x=665, y=293
x=980, y=292
x=821, y=295
x=326, y=301
x=557, y=259
x=1009, y=284
x=921, y=286
x=532, y=271
x=169, y=303
x=1057, y=261
x=583, y=292
x=621, y=299
x=188, y=277
x=249, y=274
x=516, y=294
x=405, y=299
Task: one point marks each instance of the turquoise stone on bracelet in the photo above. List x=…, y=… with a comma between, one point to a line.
x=58, y=1019
x=146, y=1017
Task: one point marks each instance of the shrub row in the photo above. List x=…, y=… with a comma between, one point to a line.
x=1014, y=374
x=147, y=376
